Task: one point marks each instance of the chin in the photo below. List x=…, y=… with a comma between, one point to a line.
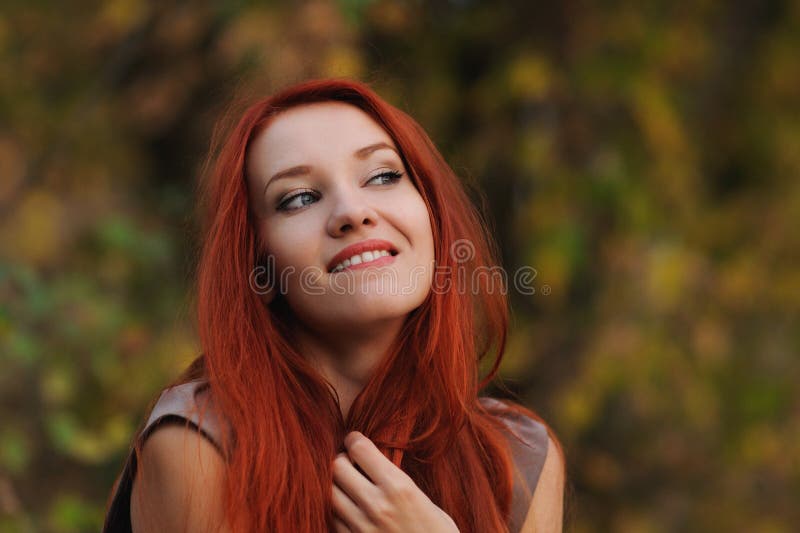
x=371, y=307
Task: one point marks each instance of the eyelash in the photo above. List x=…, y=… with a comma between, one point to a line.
x=394, y=176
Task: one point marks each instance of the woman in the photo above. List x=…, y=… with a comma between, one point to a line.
x=338, y=390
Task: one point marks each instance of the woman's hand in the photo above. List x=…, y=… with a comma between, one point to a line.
x=388, y=500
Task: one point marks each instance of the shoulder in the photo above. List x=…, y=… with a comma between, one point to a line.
x=181, y=472
x=193, y=404
x=538, y=457
x=179, y=483
x=528, y=438
x=547, y=507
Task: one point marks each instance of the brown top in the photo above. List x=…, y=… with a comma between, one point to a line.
x=190, y=405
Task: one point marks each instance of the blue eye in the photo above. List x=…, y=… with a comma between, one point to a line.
x=388, y=177
x=308, y=197
x=284, y=205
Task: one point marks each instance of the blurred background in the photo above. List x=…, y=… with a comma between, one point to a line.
x=643, y=157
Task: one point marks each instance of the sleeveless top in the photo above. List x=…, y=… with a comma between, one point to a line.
x=189, y=405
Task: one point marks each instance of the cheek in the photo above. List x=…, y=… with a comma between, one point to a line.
x=411, y=211
x=282, y=241
x=422, y=228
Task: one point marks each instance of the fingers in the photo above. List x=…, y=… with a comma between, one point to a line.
x=340, y=526
x=358, y=489
x=349, y=512
x=377, y=466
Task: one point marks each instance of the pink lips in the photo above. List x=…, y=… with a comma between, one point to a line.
x=361, y=247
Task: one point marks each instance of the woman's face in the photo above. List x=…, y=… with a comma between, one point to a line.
x=347, y=232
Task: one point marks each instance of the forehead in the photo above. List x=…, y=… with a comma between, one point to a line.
x=318, y=130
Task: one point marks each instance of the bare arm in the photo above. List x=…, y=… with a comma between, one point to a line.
x=178, y=486
x=547, y=508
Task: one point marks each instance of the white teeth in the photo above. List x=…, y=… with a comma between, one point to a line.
x=365, y=257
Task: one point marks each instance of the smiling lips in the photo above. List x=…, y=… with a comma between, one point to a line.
x=372, y=252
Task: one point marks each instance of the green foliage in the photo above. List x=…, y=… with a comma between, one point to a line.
x=642, y=157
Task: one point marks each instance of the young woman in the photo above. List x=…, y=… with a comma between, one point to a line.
x=342, y=323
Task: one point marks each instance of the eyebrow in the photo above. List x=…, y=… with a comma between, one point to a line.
x=361, y=153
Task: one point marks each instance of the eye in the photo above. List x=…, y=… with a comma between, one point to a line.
x=296, y=201
x=303, y=198
x=391, y=176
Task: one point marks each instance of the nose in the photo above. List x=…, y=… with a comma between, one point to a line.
x=350, y=213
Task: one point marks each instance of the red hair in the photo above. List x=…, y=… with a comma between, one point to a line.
x=286, y=425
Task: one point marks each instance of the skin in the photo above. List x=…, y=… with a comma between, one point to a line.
x=183, y=478
x=387, y=500
x=546, y=513
x=344, y=335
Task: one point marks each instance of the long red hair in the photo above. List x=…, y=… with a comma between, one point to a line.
x=420, y=406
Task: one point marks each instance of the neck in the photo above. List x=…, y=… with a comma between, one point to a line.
x=348, y=357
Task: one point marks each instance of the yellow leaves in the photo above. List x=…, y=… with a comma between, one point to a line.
x=119, y=16
x=669, y=245
x=343, y=61
x=183, y=349
x=529, y=77
x=536, y=152
x=554, y=268
x=311, y=39
x=86, y=444
x=652, y=376
x=576, y=410
x=97, y=446
x=34, y=231
x=558, y=253
x=68, y=513
x=658, y=119
x=617, y=352
x=519, y=353
x=57, y=385
x=670, y=273
x=149, y=358
x=668, y=143
x=762, y=445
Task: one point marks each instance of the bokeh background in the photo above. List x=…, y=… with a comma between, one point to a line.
x=643, y=157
